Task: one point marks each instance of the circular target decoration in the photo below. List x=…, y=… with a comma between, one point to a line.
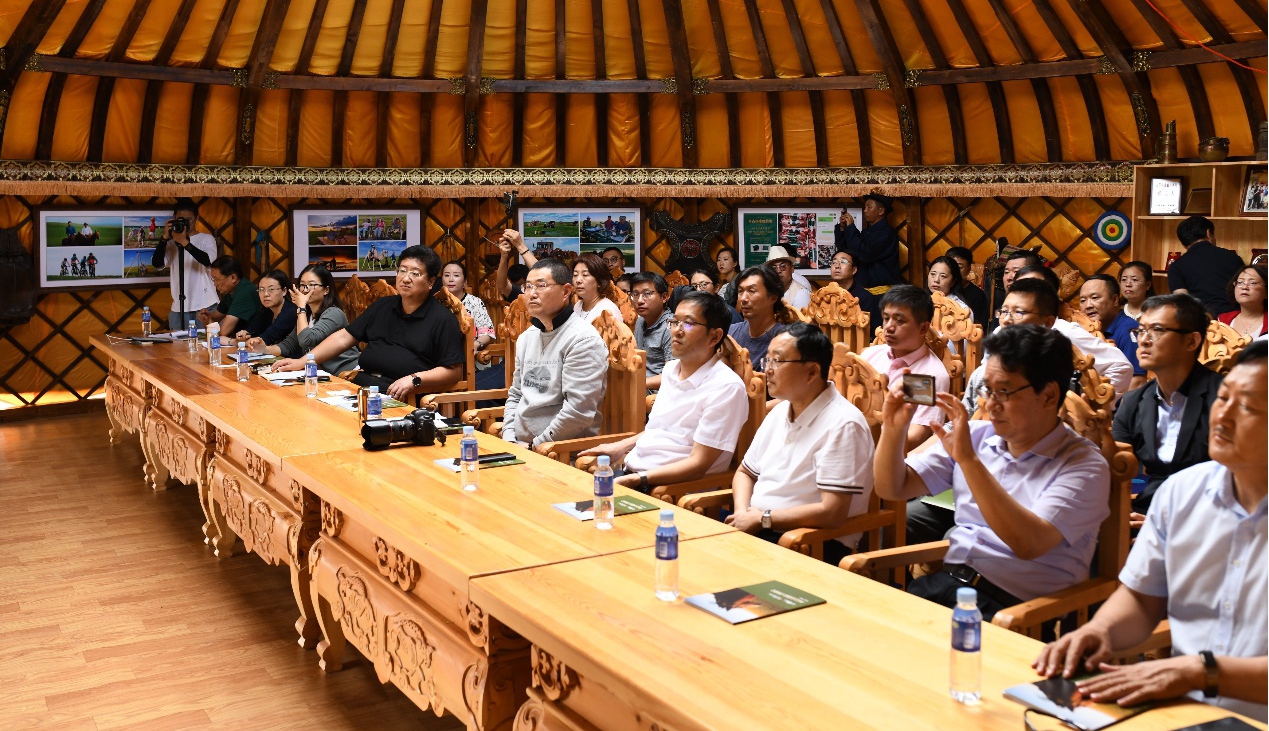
x=1112, y=231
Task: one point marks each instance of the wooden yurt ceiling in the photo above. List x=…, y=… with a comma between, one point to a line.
x=623, y=83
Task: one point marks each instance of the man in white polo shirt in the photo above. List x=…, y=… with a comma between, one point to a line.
x=700, y=409
x=810, y=464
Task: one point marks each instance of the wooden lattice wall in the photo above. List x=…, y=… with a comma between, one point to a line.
x=48, y=360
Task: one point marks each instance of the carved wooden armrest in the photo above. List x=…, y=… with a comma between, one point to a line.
x=870, y=563
x=349, y=375
x=486, y=420
x=672, y=492
x=431, y=400
x=1156, y=647
x=562, y=450
x=805, y=540
x=648, y=401
x=705, y=502
x=496, y=349
x=1027, y=617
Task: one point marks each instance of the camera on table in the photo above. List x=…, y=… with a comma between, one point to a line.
x=180, y=225
x=419, y=427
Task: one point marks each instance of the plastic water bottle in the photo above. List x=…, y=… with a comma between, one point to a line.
x=667, y=558
x=470, y=459
x=374, y=404
x=147, y=325
x=193, y=336
x=967, y=645
x=244, y=362
x=604, y=506
x=213, y=343
x=310, y=376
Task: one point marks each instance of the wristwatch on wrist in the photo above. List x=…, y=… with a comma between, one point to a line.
x=1211, y=674
x=643, y=480
x=766, y=519
x=416, y=380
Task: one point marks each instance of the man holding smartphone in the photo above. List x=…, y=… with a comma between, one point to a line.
x=199, y=250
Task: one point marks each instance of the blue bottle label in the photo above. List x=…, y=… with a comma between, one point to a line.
x=667, y=546
x=471, y=451
x=603, y=485
x=214, y=343
x=145, y=316
x=310, y=370
x=193, y=331
x=967, y=635
x=243, y=357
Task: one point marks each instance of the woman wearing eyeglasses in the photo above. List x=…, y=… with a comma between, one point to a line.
x=592, y=283
x=275, y=319
x=1247, y=289
x=318, y=314
x=1136, y=285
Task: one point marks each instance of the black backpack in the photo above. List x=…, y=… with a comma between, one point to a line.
x=18, y=287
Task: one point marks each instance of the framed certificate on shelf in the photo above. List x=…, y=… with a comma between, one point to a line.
x=1165, y=196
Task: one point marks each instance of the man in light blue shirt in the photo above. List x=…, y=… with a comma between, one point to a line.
x=1200, y=563
x=1030, y=493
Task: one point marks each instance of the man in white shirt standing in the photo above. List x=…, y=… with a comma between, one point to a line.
x=200, y=249
x=1199, y=562
x=699, y=411
x=810, y=463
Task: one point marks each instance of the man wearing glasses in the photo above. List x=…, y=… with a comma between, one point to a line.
x=614, y=259
x=561, y=365
x=1030, y=494
x=650, y=292
x=239, y=301
x=699, y=411
x=1166, y=421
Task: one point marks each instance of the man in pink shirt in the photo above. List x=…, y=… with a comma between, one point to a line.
x=906, y=312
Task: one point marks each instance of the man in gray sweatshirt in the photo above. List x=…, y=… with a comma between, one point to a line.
x=561, y=364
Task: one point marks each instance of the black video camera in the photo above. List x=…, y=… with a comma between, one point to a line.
x=180, y=225
x=419, y=427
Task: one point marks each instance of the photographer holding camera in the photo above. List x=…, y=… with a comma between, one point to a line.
x=199, y=250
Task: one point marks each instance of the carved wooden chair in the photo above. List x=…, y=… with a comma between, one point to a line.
x=791, y=315
x=487, y=291
x=1098, y=390
x=952, y=360
x=1112, y=539
x=515, y=320
x=1221, y=346
x=676, y=279
x=956, y=325
x=355, y=296
x=864, y=387
x=838, y=314
x=467, y=385
x=622, y=300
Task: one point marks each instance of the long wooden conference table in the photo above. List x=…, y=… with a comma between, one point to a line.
x=508, y=613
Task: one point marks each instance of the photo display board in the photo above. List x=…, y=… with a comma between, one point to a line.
x=567, y=233
x=353, y=240
x=99, y=247
x=805, y=231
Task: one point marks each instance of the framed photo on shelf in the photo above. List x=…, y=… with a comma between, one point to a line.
x=566, y=233
x=1255, y=196
x=1165, y=196
x=806, y=232
x=99, y=247
x=353, y=240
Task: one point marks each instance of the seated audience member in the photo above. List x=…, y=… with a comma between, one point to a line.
x=1204, y=270
x=1166, y=421
x=706, y=280
x=810, y=463
x=561, y=365
x=592, y=283
x=650, y=292
x=318, y=314
x=1247, y=291
x=699, y=411
x=510, y=277
x=239, y=303
x=614, y=260
x=454, y=277
x=1136, y=285
x=1030, y=493
x=876, y=247
x=1099, y=301
x=727, y=261
x=945, y=277
x=970, y=292
x=1065, y=311
x=276, y=318
x=623, y=283
x=905, y=319
x=843, y=271
x=1200, y=563
x=1014, y=263
x=413, y=343
x=759, y=294
x=1108, y=360
x=797, y=291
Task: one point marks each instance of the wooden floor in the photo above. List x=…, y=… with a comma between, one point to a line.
x=114, y=615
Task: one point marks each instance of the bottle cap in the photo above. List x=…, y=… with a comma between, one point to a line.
x=469, y=431
x=191, y=323
x=604, y=461
x=242, y=345
x=667, y=515
x=147, y=309
x=374, y=389
x=313, y=357
x=967, y=596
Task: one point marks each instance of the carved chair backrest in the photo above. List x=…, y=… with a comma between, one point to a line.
x=622, y=300
x=860, y=383
x=515, y=320
x=1094, y=425
x=676, y=279
x=623, y=404
x=838, y=314
x=1098, y=390
x=1221, y=346
x=956, y=324
x=737, y=358
x=355, y=296
x=468, y=326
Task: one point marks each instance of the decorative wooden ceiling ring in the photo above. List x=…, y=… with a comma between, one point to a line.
x=951, y=96
x=888, y=51
x=857, y=98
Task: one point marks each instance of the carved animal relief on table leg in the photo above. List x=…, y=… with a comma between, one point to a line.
x=356, y=614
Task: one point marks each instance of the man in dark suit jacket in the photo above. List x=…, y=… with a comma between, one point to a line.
x=1166, y=420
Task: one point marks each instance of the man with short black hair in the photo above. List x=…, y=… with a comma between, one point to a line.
x=843, y=272
x=810, y=463
x=1205, y=269
x=614, y=259
x=1166, y=421
x=876, y=247
x=199, y=250
x=906, y=313
x=759, y=297
x=649, y=291
x=1030, y=494
x=1199, y=562
x=561, y=365
x=973, y=295
x=239, y=301
x=1099, y=301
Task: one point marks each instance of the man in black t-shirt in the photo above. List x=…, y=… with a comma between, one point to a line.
x=413, y=342
x=1204, y=270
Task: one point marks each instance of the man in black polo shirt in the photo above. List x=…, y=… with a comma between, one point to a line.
x=1205, y=269
x=413, y=343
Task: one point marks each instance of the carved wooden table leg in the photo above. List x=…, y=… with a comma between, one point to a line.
x=300, y=539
